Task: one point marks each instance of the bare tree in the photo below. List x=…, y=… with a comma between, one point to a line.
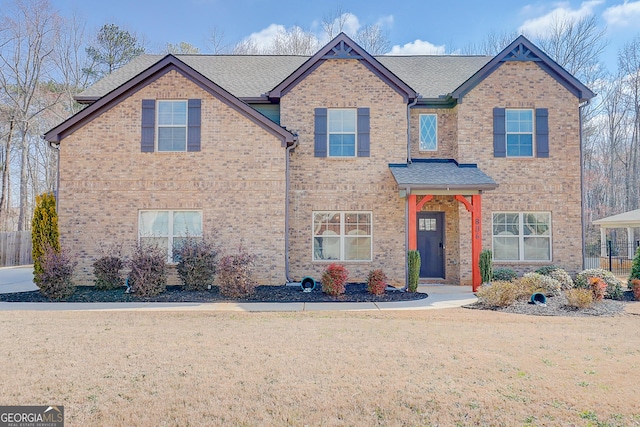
x=629, y=66
x=247, y=47
x=576, y=44
x=295, y=41
x=493, y=44
x=373, y=39
x=29, y=31
x=334, y=22
x=215, y=41
x=181, y=48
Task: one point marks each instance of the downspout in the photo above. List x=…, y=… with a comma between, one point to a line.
x=582, y=216
x=56, y=146
x=415, y=101
x=286, y=210
x=406, y=240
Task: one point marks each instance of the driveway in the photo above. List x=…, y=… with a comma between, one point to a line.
x=17, y=279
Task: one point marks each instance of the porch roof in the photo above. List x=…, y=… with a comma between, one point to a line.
x=442, y=176
x=623, y=220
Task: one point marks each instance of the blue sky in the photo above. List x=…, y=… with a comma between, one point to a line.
x=413, y=27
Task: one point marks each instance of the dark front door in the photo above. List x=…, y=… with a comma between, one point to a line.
x=431, y=243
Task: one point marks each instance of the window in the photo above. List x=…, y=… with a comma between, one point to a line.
x=428, y=132
x=524, y=236
x=342, y=236
x=167, y=229
x=172, y=125
x=519, y=128
x=342, y=133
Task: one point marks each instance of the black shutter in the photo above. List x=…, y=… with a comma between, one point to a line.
x=147, y=140
x=320, y=145
x=542, y=132
x=193, y=133
x=499, y=133
x=363, y=132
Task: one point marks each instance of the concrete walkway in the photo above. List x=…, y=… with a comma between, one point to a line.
x=20, y=279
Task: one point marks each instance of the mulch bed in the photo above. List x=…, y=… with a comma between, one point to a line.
x=356, y=292
x=557, y=306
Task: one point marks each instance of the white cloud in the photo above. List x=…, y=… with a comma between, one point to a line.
x=263, y=39
x=563, y=11
x=623, y=15
x=417, y=47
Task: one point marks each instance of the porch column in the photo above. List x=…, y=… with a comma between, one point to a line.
x=603, y=241
x=413, y=234
x=475, y=207
x=630, y=242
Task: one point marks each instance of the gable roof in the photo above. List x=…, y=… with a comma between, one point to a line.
x=342, y=47
x=521, y=49
x=150, y=74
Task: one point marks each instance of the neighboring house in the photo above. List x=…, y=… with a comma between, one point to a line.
x=339, y=157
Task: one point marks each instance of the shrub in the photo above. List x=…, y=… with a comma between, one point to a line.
x=504, y=274
x=635, y=268
x=614, y=286
x=148, y=274
x=547, y=269
x=579, y=298
x=566, y=282
x=377, y=282
x=106, y=272
x=334, y=279
x=56, y=271
x=234, y=274
x=197, y=263
x=414, y=270
x=44, y=231
x=486, y=266
x=499, y=293
x=598, y=288
x=635, y=287
x=539, y=282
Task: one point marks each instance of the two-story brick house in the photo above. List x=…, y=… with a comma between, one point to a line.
x=339, y=157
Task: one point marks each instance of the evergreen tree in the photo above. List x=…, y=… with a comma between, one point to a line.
x=44, y=230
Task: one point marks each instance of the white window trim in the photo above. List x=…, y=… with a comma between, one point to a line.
x=521, y=238
x=420, y=133
x=342, y=237
x=532, y=133
x=170, y=236
x=354, y=133
x=158, y=126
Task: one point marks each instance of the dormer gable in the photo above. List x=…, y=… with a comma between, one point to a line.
x=343, y=47
x=521, y=49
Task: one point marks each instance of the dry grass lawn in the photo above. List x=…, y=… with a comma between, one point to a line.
x=444, y=367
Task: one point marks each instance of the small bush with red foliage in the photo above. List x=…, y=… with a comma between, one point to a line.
x=234, y=274
x=334, y=280
x=598, y=287
x=635, y=287
x=56, y=271
x=377, y=282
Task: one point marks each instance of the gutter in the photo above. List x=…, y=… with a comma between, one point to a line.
x=406, y=240
x=56, y=146
x=286, y=209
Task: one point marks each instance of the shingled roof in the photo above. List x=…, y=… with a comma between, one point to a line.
x=440, y=174
x=252, y=76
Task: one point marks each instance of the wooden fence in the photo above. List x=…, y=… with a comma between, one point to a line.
x=15, y=248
